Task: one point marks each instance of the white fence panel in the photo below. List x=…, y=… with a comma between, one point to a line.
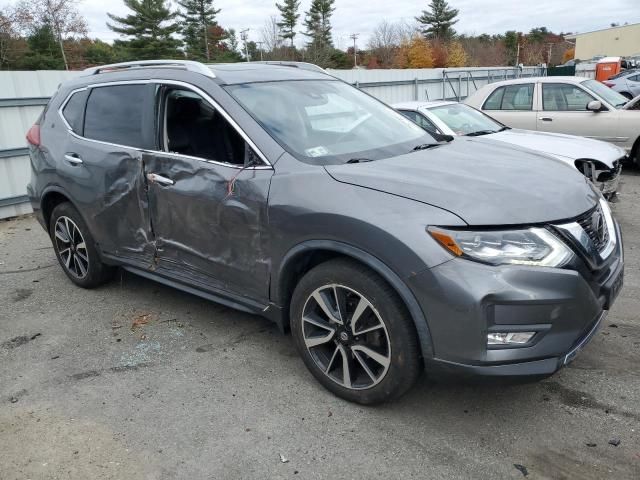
x=22, y=97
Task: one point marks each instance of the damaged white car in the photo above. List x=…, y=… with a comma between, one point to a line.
x=599, y=161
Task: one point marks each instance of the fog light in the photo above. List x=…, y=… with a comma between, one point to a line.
x=509, y=338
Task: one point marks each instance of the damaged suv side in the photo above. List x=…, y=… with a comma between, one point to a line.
x=278, y=190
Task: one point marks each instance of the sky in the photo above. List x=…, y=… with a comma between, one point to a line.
x=358, y=16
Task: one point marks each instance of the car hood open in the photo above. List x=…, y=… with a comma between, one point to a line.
x=567, y=146
x=483, y=182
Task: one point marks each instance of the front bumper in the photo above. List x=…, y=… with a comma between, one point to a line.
x=464, y=300
x=609, y=182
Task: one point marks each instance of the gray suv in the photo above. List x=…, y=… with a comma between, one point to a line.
x=278, y=190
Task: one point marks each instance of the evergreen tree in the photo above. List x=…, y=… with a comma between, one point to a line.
x=318, y=25
x=198, y=15
x=148, y=30
x=438, y=21
x=43, y=53
x=289, y=12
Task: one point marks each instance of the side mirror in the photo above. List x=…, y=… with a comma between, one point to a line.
x=594, y=106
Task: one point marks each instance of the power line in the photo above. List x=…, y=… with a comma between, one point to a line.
x=354, y=37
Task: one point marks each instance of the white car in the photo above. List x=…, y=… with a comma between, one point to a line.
x=573, y=105
x=601, y=162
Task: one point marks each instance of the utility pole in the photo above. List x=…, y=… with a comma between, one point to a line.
x=518, y=55
x=244, y=37
x=355, y=36
x=549, y=57
x=260, y=47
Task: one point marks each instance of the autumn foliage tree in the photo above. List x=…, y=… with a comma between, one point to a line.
x=568, y=55
x=456, y=56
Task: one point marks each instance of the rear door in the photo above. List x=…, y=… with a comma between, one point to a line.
x=633, y=84
x=513, y=105
x=101, y=164
x=564, y=110
x=208, y=195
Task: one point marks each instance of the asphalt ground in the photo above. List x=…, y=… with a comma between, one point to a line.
x=137, y=380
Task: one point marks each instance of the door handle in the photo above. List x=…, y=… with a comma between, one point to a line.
x=155, y=178
x=73, y=159
x=546, y=119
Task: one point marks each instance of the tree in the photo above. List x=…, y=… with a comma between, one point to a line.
x=272, y=39
x=568, y=55
x=98, y=52
x=61, y=17
x=289, y=13
x=318, y=29
x=148, y=30
x=456, y=56
x=511, y=42
x=197, y=16
x=419, y=53
x=438, y=21
x=43, y=53
x=384, y=41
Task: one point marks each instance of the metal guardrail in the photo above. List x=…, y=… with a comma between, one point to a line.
x=24, y=102
x=465, y=77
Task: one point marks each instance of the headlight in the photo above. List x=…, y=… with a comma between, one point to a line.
x=533, y=246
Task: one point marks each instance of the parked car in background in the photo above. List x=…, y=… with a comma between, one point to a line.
x=572, y=105
x=284, y=192
x=600, y=162
x=626, y=83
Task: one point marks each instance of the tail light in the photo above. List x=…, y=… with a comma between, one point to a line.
x=608, y=83
x=33, y=135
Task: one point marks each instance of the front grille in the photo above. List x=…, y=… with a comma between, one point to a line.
x=594, y=224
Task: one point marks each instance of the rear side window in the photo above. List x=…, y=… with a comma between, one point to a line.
x=420, y=120
x=634, y=78
x=512, y=97
x=115, y=114
x=73, y=111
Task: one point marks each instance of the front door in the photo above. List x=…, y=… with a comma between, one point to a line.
x=208, y=198
x=564, y=110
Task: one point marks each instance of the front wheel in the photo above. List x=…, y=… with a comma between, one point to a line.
x=354, y=333
x=75, y=248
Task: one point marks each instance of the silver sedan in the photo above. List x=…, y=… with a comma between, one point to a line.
x=626, y=83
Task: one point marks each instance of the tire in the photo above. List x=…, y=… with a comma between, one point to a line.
x=627, y=95
x=380, y=348
x=79, y=257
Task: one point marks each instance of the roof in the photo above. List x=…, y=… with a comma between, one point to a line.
x=576, y=35
x=225, y=73
x=246, y=72
x=415, y=105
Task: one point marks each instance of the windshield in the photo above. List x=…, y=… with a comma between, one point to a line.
x=608, y=95
x=465, y=120
x=328, y=122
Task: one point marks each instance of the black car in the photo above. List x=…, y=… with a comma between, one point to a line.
x=279, y=190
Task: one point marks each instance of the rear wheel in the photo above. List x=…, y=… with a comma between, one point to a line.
x=354, y=333
x=75, y=248
x=627, y=95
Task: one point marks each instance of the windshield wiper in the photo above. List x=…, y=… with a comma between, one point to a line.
x=480, y=132
x=358, y=160
x=424, y=146
x=504, y=128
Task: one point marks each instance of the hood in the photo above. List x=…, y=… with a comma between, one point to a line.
x=483, y=182
x=557, y=144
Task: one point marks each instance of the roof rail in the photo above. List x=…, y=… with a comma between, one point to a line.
x=186, y=64
x=301, y=65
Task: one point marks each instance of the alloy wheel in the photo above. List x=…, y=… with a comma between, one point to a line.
x=71, y=247
x=346, y=337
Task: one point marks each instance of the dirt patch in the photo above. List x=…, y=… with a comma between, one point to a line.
x=21, y=294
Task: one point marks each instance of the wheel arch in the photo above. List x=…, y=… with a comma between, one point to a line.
x=50, y=199
x=304, y=256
